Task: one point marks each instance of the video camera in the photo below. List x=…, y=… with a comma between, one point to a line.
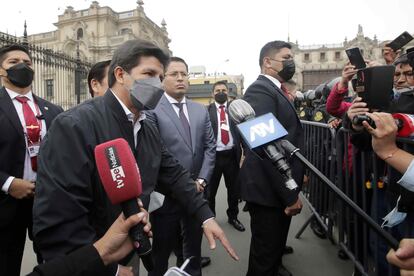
x=404, y=122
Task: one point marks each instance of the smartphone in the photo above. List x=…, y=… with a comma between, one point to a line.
x=400, y=41
x=356, y=58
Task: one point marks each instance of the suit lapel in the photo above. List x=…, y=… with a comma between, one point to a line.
x=44, y=109
x=9, y=110
x=192, y=114
x=213, y=118
x=168, y=109
x=278, y=90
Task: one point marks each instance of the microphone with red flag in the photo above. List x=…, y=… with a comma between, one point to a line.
x=121, y=179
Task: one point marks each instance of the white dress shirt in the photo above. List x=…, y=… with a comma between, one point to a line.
x=130, y=116
x=28, y=173
x=220, y=145
x=274, y=80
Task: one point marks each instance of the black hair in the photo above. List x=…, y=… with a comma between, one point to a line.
x=271, y=48
x=128, y=56
x=403, y=59
x=12, y=47
x=97, y=72
x=220, y=83
x=176, y=59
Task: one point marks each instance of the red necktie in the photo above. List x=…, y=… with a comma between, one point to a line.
x=224, y=133
x=32, y=127
x=286, y=92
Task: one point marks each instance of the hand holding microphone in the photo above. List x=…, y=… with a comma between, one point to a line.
x=121, y=179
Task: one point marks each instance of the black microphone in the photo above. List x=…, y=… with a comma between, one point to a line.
x=262, y=132
x=40, y=117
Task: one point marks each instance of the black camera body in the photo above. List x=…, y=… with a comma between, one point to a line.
x=374, y=85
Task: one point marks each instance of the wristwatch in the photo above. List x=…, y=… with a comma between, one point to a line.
x=201, y=182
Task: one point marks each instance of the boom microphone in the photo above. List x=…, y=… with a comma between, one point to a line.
x=121, y=179
x=262, y=131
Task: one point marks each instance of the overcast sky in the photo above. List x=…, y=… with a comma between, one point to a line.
x=209, y=32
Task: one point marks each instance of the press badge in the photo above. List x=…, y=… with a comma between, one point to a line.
x=33, y=150
x=225, y=127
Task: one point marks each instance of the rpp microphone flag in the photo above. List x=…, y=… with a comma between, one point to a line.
x=121, y=179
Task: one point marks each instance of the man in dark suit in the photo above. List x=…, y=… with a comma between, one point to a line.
x=186, y=130
x=24, y=119
x=80, y=211
x=228, y=154
x=270, y=203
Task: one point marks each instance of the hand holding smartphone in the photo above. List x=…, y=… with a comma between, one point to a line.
x=400, y=41
x=356, y=58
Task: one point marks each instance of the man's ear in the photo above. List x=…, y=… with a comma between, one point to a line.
x=94, y=85
x=119, y=74
x=266, y=62
x=3, y=72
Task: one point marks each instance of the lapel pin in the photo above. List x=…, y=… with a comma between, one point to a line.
x=46, y=108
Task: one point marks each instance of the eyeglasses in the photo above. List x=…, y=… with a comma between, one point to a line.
x=176, y=75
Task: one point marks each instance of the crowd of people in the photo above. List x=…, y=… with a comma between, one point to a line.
x=51, y=187
x=377, y=133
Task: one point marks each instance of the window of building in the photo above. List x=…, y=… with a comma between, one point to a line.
x=206, y=82
x=337, y=55
x=322, y=56
x=79, y=34
x=126, y=31
x=307, y=58
x=49, y=88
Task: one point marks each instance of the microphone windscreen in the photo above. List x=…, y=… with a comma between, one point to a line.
x=118, y=170
x=241, y=111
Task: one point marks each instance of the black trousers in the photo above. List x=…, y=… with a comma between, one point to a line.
x=227, y=165
x=176, y=231
x=270, y=227
x=13, y=239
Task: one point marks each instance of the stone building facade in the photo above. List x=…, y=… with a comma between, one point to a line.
x=98, y=31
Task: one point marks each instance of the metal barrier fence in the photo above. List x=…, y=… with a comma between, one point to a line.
x=59, y=78
x=362, y=176
x=320, y=151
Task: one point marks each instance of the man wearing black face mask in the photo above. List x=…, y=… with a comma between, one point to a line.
x=80, y=211
x=228, y=154
x=271, y=205
x=24, y=119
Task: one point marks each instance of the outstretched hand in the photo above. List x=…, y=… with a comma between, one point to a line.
x=213, y=231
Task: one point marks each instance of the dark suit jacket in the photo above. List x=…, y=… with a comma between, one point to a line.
x=71, y=208
x=83, y=261
x=13, y=148
x=261, y=183
x=197, y=158
x=233, y=129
